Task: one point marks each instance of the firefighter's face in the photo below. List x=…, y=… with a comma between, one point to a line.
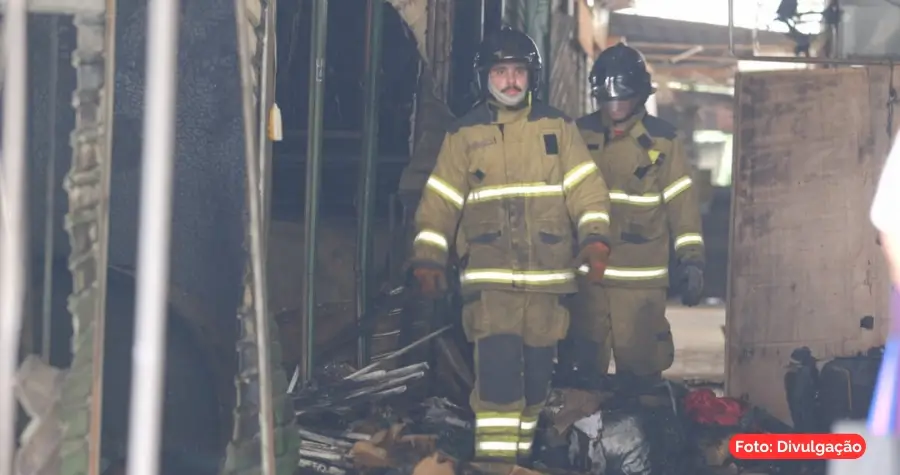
x=509, y=80
x=619, y=110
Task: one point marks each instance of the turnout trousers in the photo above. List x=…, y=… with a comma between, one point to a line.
x=629, y=321
x=515, y=336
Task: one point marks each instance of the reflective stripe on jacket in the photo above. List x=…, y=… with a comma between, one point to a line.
x=654, y=202
x=513, y=190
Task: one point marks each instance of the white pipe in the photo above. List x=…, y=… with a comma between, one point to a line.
x=12, y=218
x=149, y=352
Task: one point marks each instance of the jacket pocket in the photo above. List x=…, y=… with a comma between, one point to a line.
x=642, y=224
x=553, y=244
x=483, y=244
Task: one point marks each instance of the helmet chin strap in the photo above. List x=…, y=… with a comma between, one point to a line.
x=506, y=99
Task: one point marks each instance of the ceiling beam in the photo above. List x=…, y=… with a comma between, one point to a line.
x=644, y=46
x=673, y=59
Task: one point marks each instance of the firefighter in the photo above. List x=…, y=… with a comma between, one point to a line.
x=653, y=202
x=515, y=177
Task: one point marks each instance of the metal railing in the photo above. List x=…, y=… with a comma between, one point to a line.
x=151, y=306
x=12, y=213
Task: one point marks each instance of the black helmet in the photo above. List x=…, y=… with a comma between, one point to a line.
x=507, y=45
x=620, y=73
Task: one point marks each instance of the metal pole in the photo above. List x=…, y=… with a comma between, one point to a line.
x=481, y=15
x=50, y=193
x=313, y=176
x=149, y=352
x=368, y=171
x=795, y=59
x=731, y=27
x=12, y=218
x=257, y=265
x=266, y=102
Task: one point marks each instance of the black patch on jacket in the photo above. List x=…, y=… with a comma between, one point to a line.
x=591, y=122
x=551, y=145
x=658, y=127
x=479, y=175
x=540, y=110
x=478, y=115
x=593, y=146
x=641, y=171
x=645, y=141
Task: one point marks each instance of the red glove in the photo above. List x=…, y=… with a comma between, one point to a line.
x=595, y=255
x=432, y=281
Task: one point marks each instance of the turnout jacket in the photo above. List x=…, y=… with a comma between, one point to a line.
x=653, y=200
x=514, y=189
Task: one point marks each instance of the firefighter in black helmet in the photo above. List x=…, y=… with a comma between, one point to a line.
x=654, y=206
x=517, y=50
x=513, y=175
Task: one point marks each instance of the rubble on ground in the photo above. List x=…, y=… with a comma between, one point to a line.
x=358, y=421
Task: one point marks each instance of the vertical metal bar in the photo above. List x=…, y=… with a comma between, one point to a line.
x=731, y=27
x=50, y=193
x=368, y=171
x=257, y=267
x=481, y=15
x=12, y=218
x=266, y=102
x=313, y=176
x=149, y=352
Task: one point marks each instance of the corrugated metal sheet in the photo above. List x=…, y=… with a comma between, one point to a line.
x=568, y=72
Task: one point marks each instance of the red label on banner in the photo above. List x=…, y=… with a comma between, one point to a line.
x=797, y=446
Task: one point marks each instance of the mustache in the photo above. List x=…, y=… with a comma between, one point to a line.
x=511, y=90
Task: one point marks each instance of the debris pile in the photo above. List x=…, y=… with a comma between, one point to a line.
x=340, y=391
x=388, y=441
x=365, y=421
x=355, y=421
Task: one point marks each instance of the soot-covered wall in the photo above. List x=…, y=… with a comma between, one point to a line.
x=207, y=230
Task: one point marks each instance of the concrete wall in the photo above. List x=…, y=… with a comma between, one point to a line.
x=804, y=264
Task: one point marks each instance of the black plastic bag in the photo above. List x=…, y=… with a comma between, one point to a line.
x=847, y=385
x=801, y=387
x=610, y=443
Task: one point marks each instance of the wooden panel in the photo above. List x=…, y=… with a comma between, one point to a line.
x=804, y=266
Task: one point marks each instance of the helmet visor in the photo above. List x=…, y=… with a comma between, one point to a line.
x=613, y=88
x=619, y=110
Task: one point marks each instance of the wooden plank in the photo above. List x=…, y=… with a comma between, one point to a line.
x=804, y=266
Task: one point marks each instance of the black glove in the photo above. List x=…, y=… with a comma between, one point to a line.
x=691, y=284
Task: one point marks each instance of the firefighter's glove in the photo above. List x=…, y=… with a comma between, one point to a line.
x=691, y=284
x=595, y=255
x=431, y=281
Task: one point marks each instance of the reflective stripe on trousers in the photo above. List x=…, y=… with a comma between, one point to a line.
x=497, y=435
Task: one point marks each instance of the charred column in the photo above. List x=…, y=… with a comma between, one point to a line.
x=263, y=434
x=87, y=184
